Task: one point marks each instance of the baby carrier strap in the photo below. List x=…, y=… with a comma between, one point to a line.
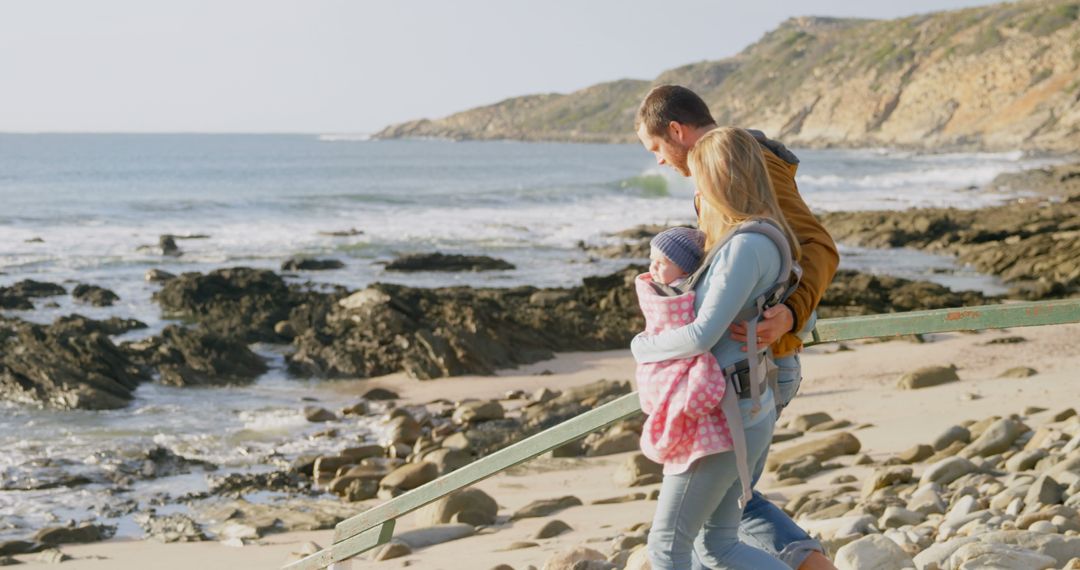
x=786, y=282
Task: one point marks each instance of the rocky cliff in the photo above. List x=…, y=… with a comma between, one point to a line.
x=998, y=77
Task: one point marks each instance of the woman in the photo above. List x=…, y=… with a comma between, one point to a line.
x=699, y=508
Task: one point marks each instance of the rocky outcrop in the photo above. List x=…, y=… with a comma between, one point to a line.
x=853, y=293
x=69, y=364
x=197, y=357
x=243, y=303
x=1031, y=244
x=432, y=333
x=999, y=77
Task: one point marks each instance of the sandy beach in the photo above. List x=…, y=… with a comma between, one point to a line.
x=857, y=385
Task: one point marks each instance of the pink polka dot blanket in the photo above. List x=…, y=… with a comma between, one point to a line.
x=682, y=396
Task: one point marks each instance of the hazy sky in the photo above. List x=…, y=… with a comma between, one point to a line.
x=350, y=66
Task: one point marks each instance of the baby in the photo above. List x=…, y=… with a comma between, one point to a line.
x=675, y=254
x=679, y=392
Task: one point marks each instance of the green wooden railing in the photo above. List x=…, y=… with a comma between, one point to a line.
x=376, y=526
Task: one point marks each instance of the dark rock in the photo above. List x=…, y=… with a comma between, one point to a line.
x=197, y=357
x=13, y=547
x=376, y=394
x=14, y=303
x=34, y=239
x=316, y=414
x=75, y=535
x=159, y=276
x=8, y=561
x=166, y=246
x=69, y=364
x=444, y=262
x=307, y=264
x=94, y=295
x=343, y=233
x=36, y=289
x=360, y=408
x=552, y=529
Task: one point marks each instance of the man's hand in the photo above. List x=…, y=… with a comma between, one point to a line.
x=775, y=321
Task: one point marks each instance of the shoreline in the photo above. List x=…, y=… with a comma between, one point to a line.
x=851, y=385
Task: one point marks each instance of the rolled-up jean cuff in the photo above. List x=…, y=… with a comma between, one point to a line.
x=796, y=552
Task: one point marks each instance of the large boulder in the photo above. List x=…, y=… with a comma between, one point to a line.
x=471, y=506
x=824, y=449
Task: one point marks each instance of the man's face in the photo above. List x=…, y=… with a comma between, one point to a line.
x=667, y=150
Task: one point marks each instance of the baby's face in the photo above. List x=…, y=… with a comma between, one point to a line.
x=662, y=269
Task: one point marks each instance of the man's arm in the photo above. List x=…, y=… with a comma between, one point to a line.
x=819, y=256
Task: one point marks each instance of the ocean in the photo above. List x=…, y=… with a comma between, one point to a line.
x=77, y=208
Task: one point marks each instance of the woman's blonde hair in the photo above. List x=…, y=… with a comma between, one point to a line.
x=733, y=183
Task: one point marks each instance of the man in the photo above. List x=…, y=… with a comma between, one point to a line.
x=669, y=122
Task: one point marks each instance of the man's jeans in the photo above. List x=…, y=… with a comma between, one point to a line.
x=763, y=524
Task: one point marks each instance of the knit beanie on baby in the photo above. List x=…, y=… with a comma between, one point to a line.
x=683, y=246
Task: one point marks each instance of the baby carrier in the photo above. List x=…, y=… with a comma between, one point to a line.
x=744, y=379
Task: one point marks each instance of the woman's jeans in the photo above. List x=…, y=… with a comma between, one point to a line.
x=698, y=512
x=763, y=524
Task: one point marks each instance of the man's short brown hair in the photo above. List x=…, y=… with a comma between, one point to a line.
x=666, y=103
